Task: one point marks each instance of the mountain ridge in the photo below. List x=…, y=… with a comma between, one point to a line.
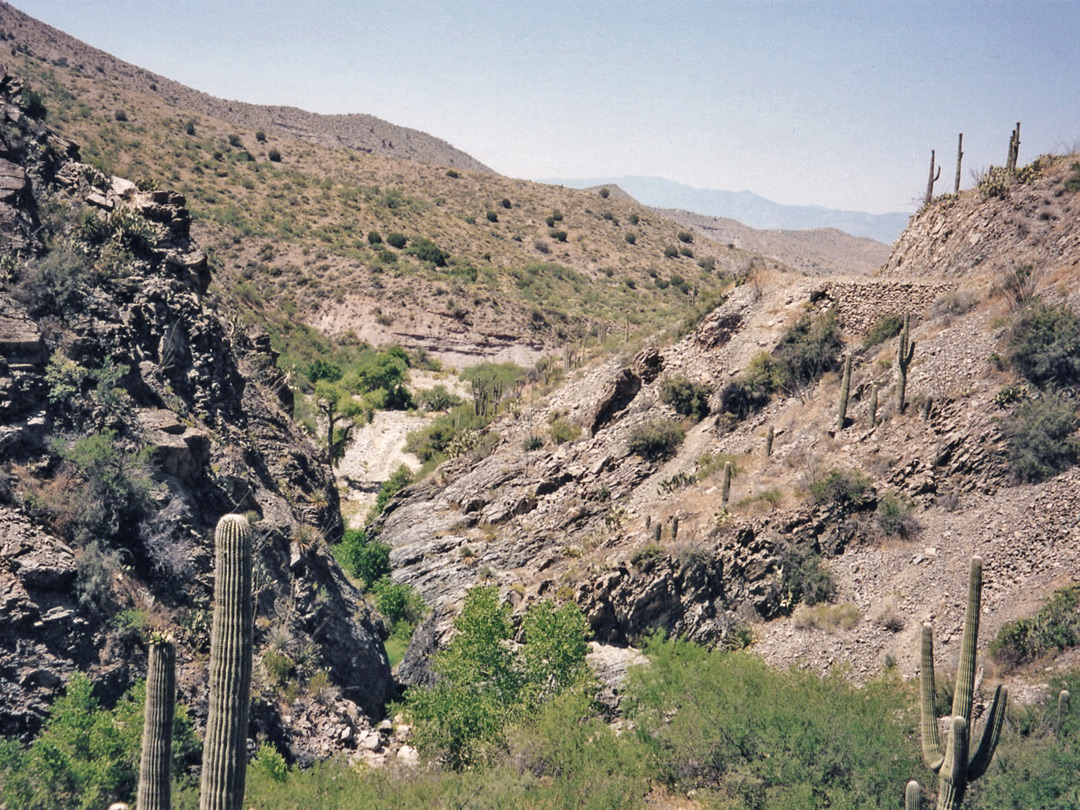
x=359, y=131
x=747, y=207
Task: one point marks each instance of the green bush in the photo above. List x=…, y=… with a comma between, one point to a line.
x=438, y=399
x=894, y=516
x=804, y=580
x=374, y=238
x=686, y=237
x=714, y=724
x=808, y=349
x=363, y=558
x=557, y=235
x=1055, y=628
x=670, y=252
x=751, y=390
x=399, y=603
x=656, y=440
x=1073, y=183
x=484, y=685
x=1039, y=438
x=55, y=284
x=260, y=136
x=428, y=251
x=396, y=240
x=492, y=216
x=1045, y=345
x=274, y=156
x=843, y=490
x=686, y=397
x=86, y=756
x=887, y=327
x=400, y=479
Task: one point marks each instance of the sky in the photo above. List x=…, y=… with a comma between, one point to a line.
x=805, y=102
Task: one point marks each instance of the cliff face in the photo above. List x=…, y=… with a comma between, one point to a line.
x=132, y=416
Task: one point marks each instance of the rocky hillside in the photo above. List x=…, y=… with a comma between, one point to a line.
x=364, y=133
x=817, y=252
x=893, y=509
x=480, y=267
x=132, y=416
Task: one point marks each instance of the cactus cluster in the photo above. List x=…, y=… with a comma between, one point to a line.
x=955, y=770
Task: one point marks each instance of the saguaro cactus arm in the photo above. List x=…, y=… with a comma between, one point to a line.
x=952, y=779
x=933, y=179
x=155, y=764
x=933, y=755
x=225, y=750
x=991, y=732
x=965, y=673
x=913, y=796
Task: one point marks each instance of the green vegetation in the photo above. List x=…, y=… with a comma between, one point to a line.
x=364, y=559
x=686, y=397
x=656, y=440
x=1055, y=628
x=1045, y=345
x=808, y=349
x=895, y=516
x=842, y=490
x=1039, y=438
x=888, y=327
x=483, y=685
x=398, y=480
x=804, y=580
x=86, y=756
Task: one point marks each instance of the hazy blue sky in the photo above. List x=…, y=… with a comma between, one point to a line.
x=828, y=103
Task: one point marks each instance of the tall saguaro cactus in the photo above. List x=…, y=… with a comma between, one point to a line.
x=225, y=749
x=959, y=160
x=845, y=389
x=873, y=405
x=725, y=491
x=933, y=179
x=1014, y=150
x=952, y=765
x=155, y=765
x=904, y=352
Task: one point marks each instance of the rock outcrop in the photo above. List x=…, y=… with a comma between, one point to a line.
x=108, y=336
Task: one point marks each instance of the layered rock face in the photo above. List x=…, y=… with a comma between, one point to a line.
x=109, y=345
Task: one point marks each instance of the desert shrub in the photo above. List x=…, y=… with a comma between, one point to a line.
x=686, y=237
x=428, y=251
x=365, y=559
x=707, y=264
x=533, y=442
x=324, y=370
x=751, y=390
x=260, y=136
x=374, y=238
x=656, y=440
x=1073, y=183
x=803, y=578
x=55, y=284
x=1045, y=345
x=396, y=240
x=808, y=349
x=894, y=516
x=400, y=479
x=887, y=327
x=453, y=174
x=274, y=156
x=114, y=495
x=95, y=570
x=670, y=252
x=843, y=490
x=438, y=399
x=562, y=430
x=714, y=724
x=120, y=115
x=1039, y=438
x=631, y=238
x=827, y=617
x=686, y=397
x=492, y=216
x=505, y=203
x=1054, y=628
x=557, y=235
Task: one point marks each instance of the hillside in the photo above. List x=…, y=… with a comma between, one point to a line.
x=364, y=133
x=580, y=519
x=816, y=252
x=491, y=268
x=133, y=414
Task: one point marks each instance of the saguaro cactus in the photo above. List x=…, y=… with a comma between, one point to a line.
x=725, y=493
x=904, y=352
x=913, y=796
x=768, y=441
x=225, y=750
x=933, y=179
x=952, y=765
x=155, y=765
x=959, y=160
x=873, y=405
x=845, y=389
x=1062, y=709
x=1014, y=150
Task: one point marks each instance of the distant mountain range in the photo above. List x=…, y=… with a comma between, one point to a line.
x=748, y=208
